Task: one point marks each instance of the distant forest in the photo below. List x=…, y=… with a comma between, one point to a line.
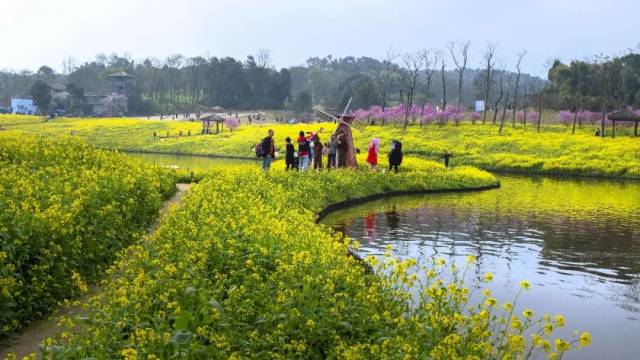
x=180, y=84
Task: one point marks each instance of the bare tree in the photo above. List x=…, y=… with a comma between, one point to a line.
x=387, y=74
x=604, y=86
x=540, y=98
x=504, y=109
x=489, y=62
x=115, y=104
x=263, y=58
x=576, y=98
x=443, y=76
x=412, y=67
x=69, y=65
x=430, y=58
x=498, y=99
x=525, y=103
x=460, y=63
x=520, y=56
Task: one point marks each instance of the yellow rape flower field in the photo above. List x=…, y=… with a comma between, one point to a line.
x=553, y=151
x=65, y=210
x=240, y=269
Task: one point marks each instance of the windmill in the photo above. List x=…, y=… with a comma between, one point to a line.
x=346, y=156
x=349, y=121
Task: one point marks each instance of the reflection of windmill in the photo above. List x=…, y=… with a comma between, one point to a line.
x=357, y=124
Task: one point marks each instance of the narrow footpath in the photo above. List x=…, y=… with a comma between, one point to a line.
x=33, y=335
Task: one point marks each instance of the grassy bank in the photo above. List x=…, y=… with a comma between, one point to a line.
x=65, y=210
x=553, y=151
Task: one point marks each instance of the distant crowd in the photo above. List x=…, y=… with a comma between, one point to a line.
x=311, y=152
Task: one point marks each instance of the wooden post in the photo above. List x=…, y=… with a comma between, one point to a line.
x=217, y=127
x=635, y=129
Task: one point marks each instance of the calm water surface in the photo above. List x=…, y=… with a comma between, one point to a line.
x=576, y=241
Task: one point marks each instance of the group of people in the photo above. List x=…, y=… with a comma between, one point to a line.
x=311, y=151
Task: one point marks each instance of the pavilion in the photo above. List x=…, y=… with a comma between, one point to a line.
x=624, y=116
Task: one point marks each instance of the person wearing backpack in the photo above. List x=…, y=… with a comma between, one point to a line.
x=268, y=151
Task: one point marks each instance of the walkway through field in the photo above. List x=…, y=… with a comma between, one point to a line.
x=32, y=336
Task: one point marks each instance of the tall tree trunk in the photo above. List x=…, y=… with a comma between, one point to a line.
x=504, y=113
x=539, y=110
x=444, y=87
x=515, y=98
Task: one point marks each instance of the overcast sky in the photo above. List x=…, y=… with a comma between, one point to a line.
x=37, y=32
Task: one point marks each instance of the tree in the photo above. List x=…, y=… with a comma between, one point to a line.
x=387, y=75
x=412, y=67
x=498, y=99
x=504, y=109
x=41, y=94
x=76, y=102
x=365, y=93
x=430, y=58
x=519, y=57
x=489, y=62
x=45, y=74
x=443, y=76
x=263, y=58
x=303, y=101
x=115, y=105
x=461, y=65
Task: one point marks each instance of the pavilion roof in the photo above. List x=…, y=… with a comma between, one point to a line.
x=623, y=115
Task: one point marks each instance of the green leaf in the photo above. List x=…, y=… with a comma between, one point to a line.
x=181, y=337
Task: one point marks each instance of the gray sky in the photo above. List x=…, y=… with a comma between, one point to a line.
x=37, y=32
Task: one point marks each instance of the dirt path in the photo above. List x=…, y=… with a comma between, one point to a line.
x=29, y=339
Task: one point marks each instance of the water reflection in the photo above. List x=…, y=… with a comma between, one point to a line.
x=577, y=241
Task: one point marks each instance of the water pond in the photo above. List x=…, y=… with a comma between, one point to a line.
x=576, y=241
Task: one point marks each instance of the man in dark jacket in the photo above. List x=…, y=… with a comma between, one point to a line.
x=269, y=151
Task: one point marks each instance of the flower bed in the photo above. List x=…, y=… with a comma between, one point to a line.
x=65, y=210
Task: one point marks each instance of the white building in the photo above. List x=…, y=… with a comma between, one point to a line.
x=23, y=106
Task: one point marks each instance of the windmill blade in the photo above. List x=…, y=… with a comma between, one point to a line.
x=346, y=108
x=323, y=116
x=357, y=124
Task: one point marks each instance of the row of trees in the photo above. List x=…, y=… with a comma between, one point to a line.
x=442, y=77
x=594, y=84
x=417, y=79
x=175, y=84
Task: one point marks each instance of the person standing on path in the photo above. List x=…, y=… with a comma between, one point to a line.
x=268, y=151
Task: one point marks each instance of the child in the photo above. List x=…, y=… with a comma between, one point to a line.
x=290, y=154
x=372, y=153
